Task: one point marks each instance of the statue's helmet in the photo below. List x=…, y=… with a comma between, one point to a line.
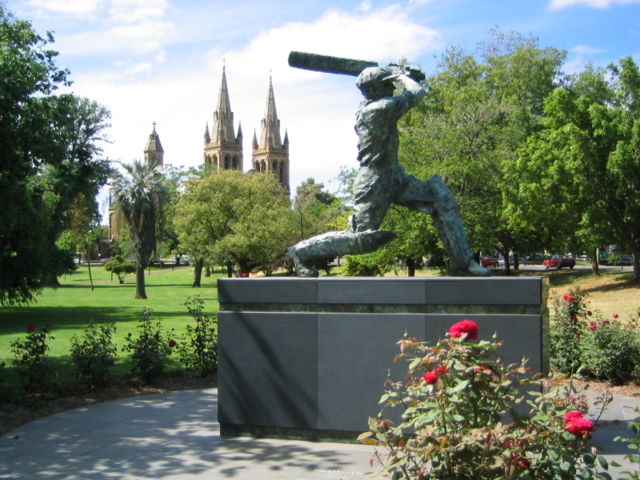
x=375, y=81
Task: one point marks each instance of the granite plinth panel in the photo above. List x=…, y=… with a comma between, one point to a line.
x=313, y=354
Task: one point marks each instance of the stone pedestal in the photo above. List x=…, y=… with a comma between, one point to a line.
x=308, y=356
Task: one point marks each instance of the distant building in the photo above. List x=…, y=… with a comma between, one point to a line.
x=223, y=147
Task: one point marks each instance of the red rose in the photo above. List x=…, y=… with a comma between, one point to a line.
x=572, y=415
x=574, y=319
x=569, y=298
x=172, y=343
x=579, y=426
x=31, y=328
x=244, y=274
x=592, y=327
x=464, y=327
x=430, y=377
x=523, y=462
x=615, y=315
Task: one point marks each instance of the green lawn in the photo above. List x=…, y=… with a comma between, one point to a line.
x=70, y=307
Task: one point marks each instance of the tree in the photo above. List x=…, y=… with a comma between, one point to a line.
x=243, y=221
x=50, y=153
x=140, y=195
x=477, y=114
x=316, y=210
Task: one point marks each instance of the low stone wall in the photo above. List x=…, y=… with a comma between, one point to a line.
x=309, y=356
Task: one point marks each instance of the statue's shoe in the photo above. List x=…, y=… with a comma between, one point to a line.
x=302, y=269
x=474, y=269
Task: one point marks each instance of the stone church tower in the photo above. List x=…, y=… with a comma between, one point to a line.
x=271, y=154
x=223, y=148
x=153, y=152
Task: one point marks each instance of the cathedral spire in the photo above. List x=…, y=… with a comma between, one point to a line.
x=270, y=132
x=269, y=154
x=222, y=148
x=223, y=116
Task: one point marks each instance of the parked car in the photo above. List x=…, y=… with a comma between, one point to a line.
x=558, y=262
x=489, y=262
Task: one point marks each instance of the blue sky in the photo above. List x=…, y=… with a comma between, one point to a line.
x=161, y=60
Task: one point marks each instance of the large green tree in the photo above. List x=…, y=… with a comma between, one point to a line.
x=243, y=221
x=139, y=194
x=50, y=154
x=479, y=111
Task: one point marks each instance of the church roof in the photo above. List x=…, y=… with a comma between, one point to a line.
x=153, y=144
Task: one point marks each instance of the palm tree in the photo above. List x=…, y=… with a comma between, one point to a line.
x=140, y=195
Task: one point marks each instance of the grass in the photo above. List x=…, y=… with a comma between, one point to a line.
x=70, y=307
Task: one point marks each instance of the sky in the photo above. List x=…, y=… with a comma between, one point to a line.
x=161, y=60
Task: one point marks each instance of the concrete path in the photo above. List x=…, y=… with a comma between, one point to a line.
x=175, y=436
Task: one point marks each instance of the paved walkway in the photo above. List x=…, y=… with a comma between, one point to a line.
x=175, y=436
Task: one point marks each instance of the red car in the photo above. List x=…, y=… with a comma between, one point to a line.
x=489, y=262
x=558, y=262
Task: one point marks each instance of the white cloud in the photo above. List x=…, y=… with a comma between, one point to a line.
x=560, y=4
x=79, y=8
x=131, y=11
x=586, y=50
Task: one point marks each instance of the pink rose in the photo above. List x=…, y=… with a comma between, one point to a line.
x=615, y=315
x=464, y=327
x=569, y=298
x=592, y=327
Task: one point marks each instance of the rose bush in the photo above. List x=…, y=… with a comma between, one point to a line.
x=198, y=348
x=31, y=360
x=466, y=415
x=149, y=350
x=93, y=354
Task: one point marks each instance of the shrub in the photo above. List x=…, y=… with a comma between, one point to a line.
x=149, y=350
x=120, y=267
x=93, y=354
x=458, y=419
x=198, y=348
x=612, y=350
x=567, y=328
x=31, y=360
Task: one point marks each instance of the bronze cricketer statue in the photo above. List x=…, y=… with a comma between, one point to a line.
x=381, y=180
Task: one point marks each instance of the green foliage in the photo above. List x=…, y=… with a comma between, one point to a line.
x=50, y=154
x=458, y=420
x=150, y=349
x=93, y=353
x=31, y=359
x=612, y=350
x=566, y=343
x=120, y=267
x=236, y=219
x=198, y=347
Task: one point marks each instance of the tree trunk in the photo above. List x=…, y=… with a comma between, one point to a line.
x=595, y=261
x=229, y=270
x=197, y=272
x=207, y=270
x=411, y=267
x=140, y=287
x=636, y=264
x=516, y=261
x=89, y=267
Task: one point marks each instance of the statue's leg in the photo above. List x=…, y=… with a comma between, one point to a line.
x=372, y=197
x=435, y=198
x=307, y=253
